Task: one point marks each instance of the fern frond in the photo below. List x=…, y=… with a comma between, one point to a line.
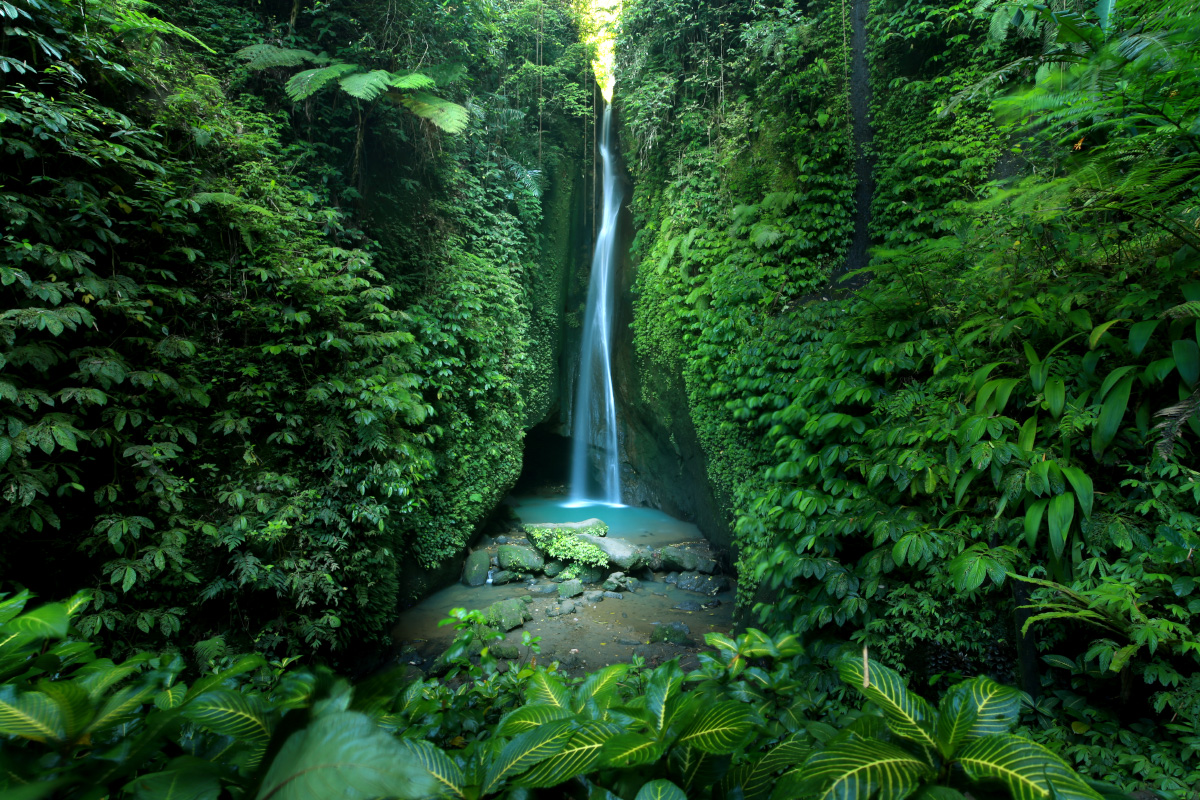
x=366, y=86
x=450, y=117
x=1174, y=418
x=1187, y=310
x=304, y=85
x=445, y=74
x=128, y=20
x=268, y=56
x=411, y=80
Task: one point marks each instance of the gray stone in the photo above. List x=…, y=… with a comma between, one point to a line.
x=502, y=650
x=554, y=567
x=620, y=552
x=589, y=574
x=569, y=607
x=570, y=588
x=688, y=605
x=501, y=540
x=613, y=595
x=633, y=584
x=476, y=569
x=672, y=577
x=611, y=585
x=679, y=558
x=633, y=642
x=507, y=614
x=593, y=597
x=673, y=633
x=526, y=599
x=505, y=576
x=525, y=559
x=703, y=584
x=542, y=589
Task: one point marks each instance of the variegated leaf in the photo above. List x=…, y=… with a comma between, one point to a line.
x=543, y=688
x=527, y=718
x=719, y=728
x=857, y=770
x=908, y=714
x=579, y=757
x=444, y=771
x=526, y=750
x=1026, y=768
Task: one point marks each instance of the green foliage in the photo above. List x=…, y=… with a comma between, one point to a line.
x=565, y=545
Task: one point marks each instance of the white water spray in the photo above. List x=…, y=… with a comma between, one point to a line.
x=595, y=400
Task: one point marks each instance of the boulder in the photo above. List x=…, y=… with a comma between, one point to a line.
x=523, y=559
x=508, y=614
x=566, y=607
x=620, y=552
x=505, y=576
x=570, y=588
x=503, y=650
x=542, y=589
x=679, y=558
x=632, y=584
x=687, y=605
x=702, y=584
x=554, y=567
x=589, y=574
x=672, y=633
x=672, y=577
x=476, y=569
x=613, y=595
x=593, y=597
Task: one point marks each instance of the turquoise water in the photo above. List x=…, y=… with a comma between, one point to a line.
x=642, y=526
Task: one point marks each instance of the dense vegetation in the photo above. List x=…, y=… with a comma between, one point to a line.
x=284, y=285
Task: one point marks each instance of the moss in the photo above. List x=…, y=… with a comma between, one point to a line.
x=564, y=544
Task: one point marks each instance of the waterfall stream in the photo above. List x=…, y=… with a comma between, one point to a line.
x=595, y=424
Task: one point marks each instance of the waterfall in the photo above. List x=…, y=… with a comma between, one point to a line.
x=595, y=424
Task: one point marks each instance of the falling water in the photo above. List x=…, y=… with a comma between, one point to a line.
x=595, y=400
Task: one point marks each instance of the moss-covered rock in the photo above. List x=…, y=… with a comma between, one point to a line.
x=476, y=569
x=520, y=559
x=504, y=576
x=507, y=614
x=570, y=588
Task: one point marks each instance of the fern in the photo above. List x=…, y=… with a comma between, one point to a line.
x=1174, y=418
x=304, y=85
x=365, y=86
x=268, y=56
x=128, y=20
x=450, y=117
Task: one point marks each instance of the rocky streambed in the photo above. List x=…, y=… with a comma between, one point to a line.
x=660, y=589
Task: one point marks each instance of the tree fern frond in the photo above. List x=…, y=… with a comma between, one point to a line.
x=366, y=86
x=411, y=80
x=268, y=56
x=1174, y=418
x=1186, y=310
x=305, y=84
x=450, y=117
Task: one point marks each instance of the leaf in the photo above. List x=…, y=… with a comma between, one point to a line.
x=186, y=778
x=30, y=715
x=44, y=622
x=1027, y=769
x=599, y=684
x=1187, y=360
x=785, y=755
x=662, y=687
x=1056, y=396
x=526, y=750
x=1062, y=511
x=1082, y=485
x=1100, y=330
x=545, y=689
x=268, y=56
x=579, y=757
x=1111, y=413
x=631, y=750
x=719, y=729
x=856, y=770
x=661, y=789
x=304, y=85
x=344, y=755
x=242, y=716
x=366, y=86
x=1028, y=435
x=1139, y=336
x=450, y=117
x=526, y=718
x=437, y=764
x=410, y=80
x=908, y=715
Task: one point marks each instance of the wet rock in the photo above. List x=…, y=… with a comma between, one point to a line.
x=632, y=584
x=589, y=574
x=611, y=585
x=702, y=584
x=525, y=559
x=570, y=588
x=678, y=558
x=570, y=661
x=554, y=567
x=620, y=553
x=593, y=597
x=688, y=605
x=476, y=569
x=711, y=604
x=672, y=633
x=672, y=577
x=505, y=576
x=495, y=562
x=509, y=651
x=508, y=614
x=614, y=596
x=526, y=599
x=501, y=540
x=542, y=589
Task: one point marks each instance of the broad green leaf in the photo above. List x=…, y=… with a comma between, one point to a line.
x=761, y=778
x=660, y=790
x=696, y=769
x=975, y=708
x=186, y=778
x=1033, y=520
x=661, y=689
x=242, y=716
x=1082, y=485
x=525, y=750
x=30, y=715
x=579, y=757
x=1187, y=360
x=345, y=755
x=450, y=117
x=956, y=715
x=599, y=684
x=44, y=622
x=630, y=750
x=14, y=605
x=1111, y=412
x=720, y=728
x=545, y=689
x=449, y=777
x=242, y=665
x=1061, y=513
x=1139, y=336
x=121, y=707
x=856, y=770
x=1056, y=396
x=74, y=706
x=1027, y=769
x=1100, y=330
x=171, y=697
x=907, y=714
x=526, y=718
x=1111, y=379
x=1028, y=436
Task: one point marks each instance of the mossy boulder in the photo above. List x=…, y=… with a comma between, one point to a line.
x=508, y=614
x=504, y=576
x=554, y=567
x=476, y=569
x=570, y=588
x=620, y=553
x=520, y=559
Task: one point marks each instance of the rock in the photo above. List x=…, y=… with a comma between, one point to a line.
x=525, y=559
x=613, y=595
x=476, y=569
x=633, y=642
x=526, y=599
x=507, y=614
x=570, y=661
x=495, y=562
x=672, y=577
x=501, y=540
x=570, y=588
x=688, y=605
x=593, y=597
x=702, y=584
x=620, y=553
x=589, y=574
x=502, y=650
x=674, y=633
x=555, y=611
x=678, y=558
x=554, y=567
x=611, y=586
x=504, y=576
x=569, y=607
x=617, y=576
x=542, y=589
x=632, y=584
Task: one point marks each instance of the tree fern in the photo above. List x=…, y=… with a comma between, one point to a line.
x=450, y=117
x=268, y=56
x=304, y=85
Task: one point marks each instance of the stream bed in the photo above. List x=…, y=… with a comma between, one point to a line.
x=600, y=631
